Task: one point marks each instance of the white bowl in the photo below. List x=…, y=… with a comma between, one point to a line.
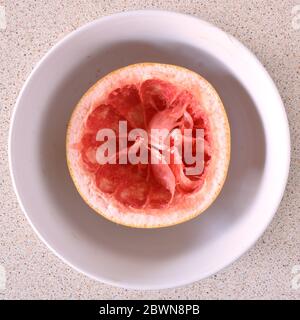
x=159, y=258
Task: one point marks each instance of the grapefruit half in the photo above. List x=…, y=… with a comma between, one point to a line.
x=149, y=96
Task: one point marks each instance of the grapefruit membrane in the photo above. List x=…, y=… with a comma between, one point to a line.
x=165, y=189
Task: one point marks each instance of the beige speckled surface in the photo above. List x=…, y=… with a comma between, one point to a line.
x=266, y=28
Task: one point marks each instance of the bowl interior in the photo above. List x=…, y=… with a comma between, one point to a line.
x=115, y=254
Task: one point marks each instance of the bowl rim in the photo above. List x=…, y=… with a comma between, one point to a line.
x=158, y=13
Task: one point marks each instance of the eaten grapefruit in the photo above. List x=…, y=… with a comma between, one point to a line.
x=167, y=189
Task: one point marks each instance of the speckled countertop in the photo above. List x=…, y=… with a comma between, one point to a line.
x=266, y=27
